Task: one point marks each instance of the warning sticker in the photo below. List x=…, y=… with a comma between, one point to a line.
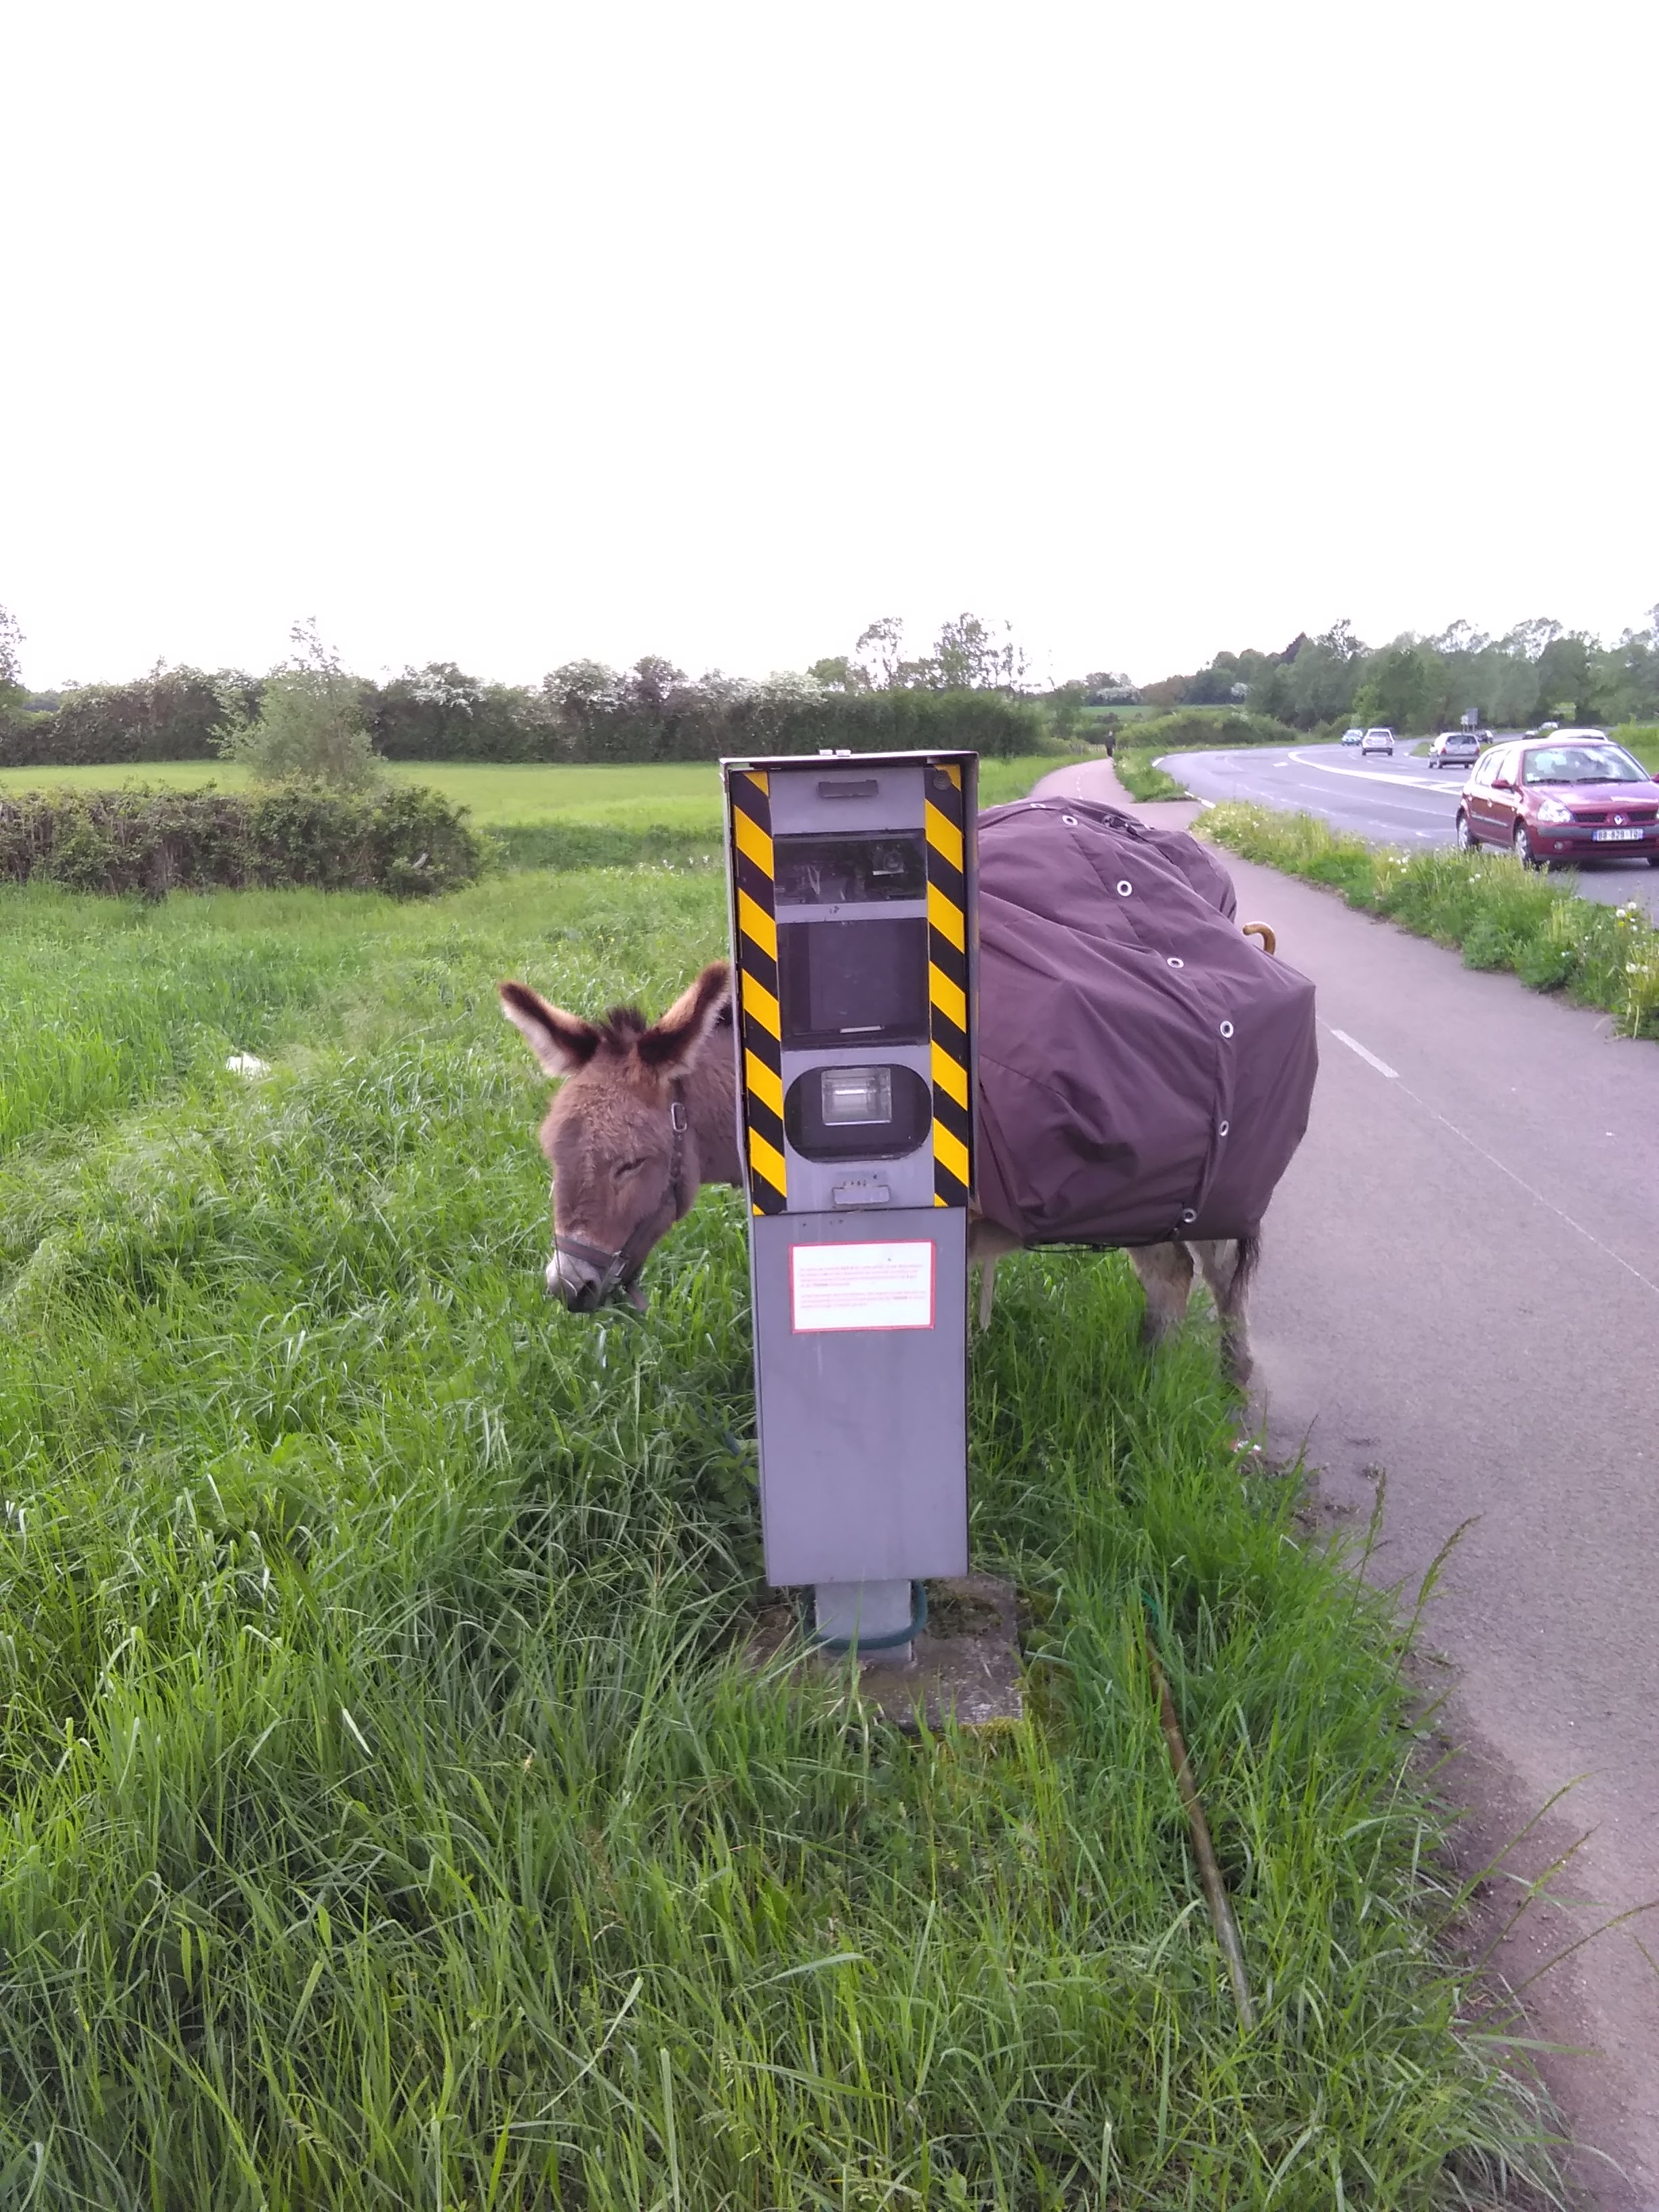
x=861, y=1285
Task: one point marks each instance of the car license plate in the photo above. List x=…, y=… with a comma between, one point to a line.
x=1613, y=836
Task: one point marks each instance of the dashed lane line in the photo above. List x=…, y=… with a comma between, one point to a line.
x=1368, y=1056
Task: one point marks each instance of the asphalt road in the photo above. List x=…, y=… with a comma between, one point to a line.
x=1459, y=1307
x=1402, y=801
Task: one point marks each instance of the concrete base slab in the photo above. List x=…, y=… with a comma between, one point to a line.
x=965, y=1665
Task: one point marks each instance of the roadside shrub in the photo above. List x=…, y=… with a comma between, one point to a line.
x=407, y=840
x=1200, y=726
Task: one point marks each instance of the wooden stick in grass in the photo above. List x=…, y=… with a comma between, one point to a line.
x=1215, y=1890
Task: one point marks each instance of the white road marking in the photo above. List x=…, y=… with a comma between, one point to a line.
x=1378, y=775
x=1370, y=1058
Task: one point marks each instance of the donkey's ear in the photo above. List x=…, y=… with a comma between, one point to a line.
x=674, y=1043
x=561, y=1043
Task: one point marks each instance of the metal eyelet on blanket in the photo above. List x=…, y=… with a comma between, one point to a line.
x=1227, y=1029
x=1188, y=1218
x=1069, y=819
x=1172, y=961
x=1223, y=1130
x=1124, y=887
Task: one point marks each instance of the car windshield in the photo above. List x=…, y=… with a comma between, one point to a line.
x=1582, y=764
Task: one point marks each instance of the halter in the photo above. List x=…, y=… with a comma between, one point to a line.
x=618, y=1270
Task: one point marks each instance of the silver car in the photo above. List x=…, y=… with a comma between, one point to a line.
x=1378, y=741
x=1455, y=748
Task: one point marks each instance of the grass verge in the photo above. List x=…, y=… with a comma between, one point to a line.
x=391, y=1816
x=1142, y=778
x=1501, y=914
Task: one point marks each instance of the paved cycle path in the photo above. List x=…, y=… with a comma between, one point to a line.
x=1459, y=1288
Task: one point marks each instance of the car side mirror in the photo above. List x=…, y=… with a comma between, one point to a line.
x=1502, y=783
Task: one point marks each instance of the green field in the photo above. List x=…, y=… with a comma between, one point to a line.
x=392, y=1817
x=676, y=795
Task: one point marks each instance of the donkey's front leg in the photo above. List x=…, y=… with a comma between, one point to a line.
x=1166, y=1276
x=987, y=1242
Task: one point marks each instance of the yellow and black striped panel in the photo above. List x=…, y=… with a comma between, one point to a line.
x=757, y=987
x=947, y=986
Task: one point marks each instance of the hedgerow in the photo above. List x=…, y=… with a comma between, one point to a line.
x=439, y=714
x=405, y=839
x=1200, y=726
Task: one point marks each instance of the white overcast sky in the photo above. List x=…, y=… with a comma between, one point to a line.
x=508, y=333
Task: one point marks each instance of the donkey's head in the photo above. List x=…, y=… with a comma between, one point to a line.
x=620, y=1136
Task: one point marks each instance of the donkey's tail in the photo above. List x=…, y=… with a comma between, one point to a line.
x=1248, y=1252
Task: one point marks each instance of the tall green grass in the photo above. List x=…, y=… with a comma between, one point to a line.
x=393, y=1815
x=1501, y=914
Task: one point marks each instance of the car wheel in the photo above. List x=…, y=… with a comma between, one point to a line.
x=1465, y=833
x=1523, y=851
x=1653, y=860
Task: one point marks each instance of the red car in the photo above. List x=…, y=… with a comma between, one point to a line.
x=1574, y=796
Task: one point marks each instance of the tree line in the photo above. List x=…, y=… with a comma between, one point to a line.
x=965, y=692
x=1538, y=671
x=970, y=687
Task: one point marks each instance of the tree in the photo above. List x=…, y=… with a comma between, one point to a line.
x=1325, y=675
x=1403, y=687
x=309, y=728
x=879, y=652
x=973, y=657
x=1563, y=674
x=1529, y=639
x=11, y=666
x=583, y=689
x=1065, y=706
x=1212, y=686
x=650, y=681
x=841, y=672
x=1165, y=694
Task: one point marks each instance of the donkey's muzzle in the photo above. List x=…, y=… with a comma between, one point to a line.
x=574, y=1283
x=584, y=1289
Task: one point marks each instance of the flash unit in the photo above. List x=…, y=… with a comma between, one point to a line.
x=856, y=1094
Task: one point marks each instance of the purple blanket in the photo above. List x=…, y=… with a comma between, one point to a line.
x=1144, y=1071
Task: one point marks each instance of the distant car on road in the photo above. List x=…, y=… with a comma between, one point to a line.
x=1355, y=736
x=1572, y=796
x=1452, y=745
x=1378, y=741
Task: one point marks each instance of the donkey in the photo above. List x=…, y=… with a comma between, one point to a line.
x=647, y=1113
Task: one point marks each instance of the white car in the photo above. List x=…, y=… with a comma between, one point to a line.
x=1378, y=741
x=1352, y=737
